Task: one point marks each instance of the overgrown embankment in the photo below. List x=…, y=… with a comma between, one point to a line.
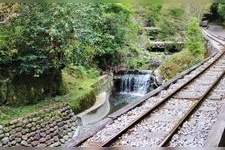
x=193, y=52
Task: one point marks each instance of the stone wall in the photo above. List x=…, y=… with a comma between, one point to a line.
x=50, y=127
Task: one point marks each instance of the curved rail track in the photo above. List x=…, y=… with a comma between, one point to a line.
x=159, y=123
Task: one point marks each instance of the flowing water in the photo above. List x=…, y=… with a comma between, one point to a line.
x=130, y=87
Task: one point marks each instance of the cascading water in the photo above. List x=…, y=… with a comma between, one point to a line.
x=136, y=82
x=130, y=86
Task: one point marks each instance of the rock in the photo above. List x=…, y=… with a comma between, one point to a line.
x=13, y=143
x=19, y=129
x=43, y=134
x=24, y=143
x=52, y=130
x=61, y=133
x=66, y=138
x=12, y=137
x=29, y=125
x=47, y=127
x=24, y=137
x=60, y=124
x=18, y=140
x=38, y=131
x=29, y=141
x=62, y=141
x=47, y=132
x=56, y=127
x=42, y=140
x=66, y=126
x=34, y=143
x=37, y=137
x=19, y=124
x=51, y=141
x=34, y=124
x=13, y=126
x=1, y=131
x=5, y=140
x=48, y=137
x=129, y=113
x=32, y=139
x=56, y=138
x=1, y=127
x=32, y=134
x=33, y=128
x=25, y=121
x=38, y=127
x=18, y=135
x=35, y=119
x=24, y=131
x=70, y=135
x=13, y=122
x=43, y=125
x=2, y=136
x=1, y=144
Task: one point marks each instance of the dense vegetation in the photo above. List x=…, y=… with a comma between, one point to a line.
x=194, y=50
x=42, y=39
x=218, y=13
x=53, y=49
x=192, y=53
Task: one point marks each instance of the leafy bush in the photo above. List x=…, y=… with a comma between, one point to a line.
x=194, y=40
x=177, y=63
x=193, y=53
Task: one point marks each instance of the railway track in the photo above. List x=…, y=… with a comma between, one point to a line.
x=160, y=119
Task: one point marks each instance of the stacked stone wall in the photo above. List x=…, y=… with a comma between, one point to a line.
x=50, y=127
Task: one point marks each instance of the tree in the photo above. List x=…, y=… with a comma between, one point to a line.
x=194, y=40
x=221, y=11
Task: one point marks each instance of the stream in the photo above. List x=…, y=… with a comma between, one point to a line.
x=128, y=86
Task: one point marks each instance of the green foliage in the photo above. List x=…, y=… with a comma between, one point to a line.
x=49, y=36
x=79, y=82
x=193, y=53
x=221, y=11
x=218, y=13
x=153, y=13
x=171, y=23
x=194, y=41
x=82, y=72
x=177, y=63
x=80, y=96
x=44, y=38
x=142, y=61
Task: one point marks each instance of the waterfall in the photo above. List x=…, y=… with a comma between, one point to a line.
x=136, y=82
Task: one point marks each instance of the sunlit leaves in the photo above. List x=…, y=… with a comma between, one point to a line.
x=50, y=35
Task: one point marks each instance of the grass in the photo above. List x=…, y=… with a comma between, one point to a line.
x=179, y=62
x=79, y=92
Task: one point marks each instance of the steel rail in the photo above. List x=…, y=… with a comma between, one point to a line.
x=165, y=142
x=133, y=123
x=190, y=112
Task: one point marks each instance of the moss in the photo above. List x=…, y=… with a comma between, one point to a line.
x=178, y=63
x=24, y=89
x=80, y=96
